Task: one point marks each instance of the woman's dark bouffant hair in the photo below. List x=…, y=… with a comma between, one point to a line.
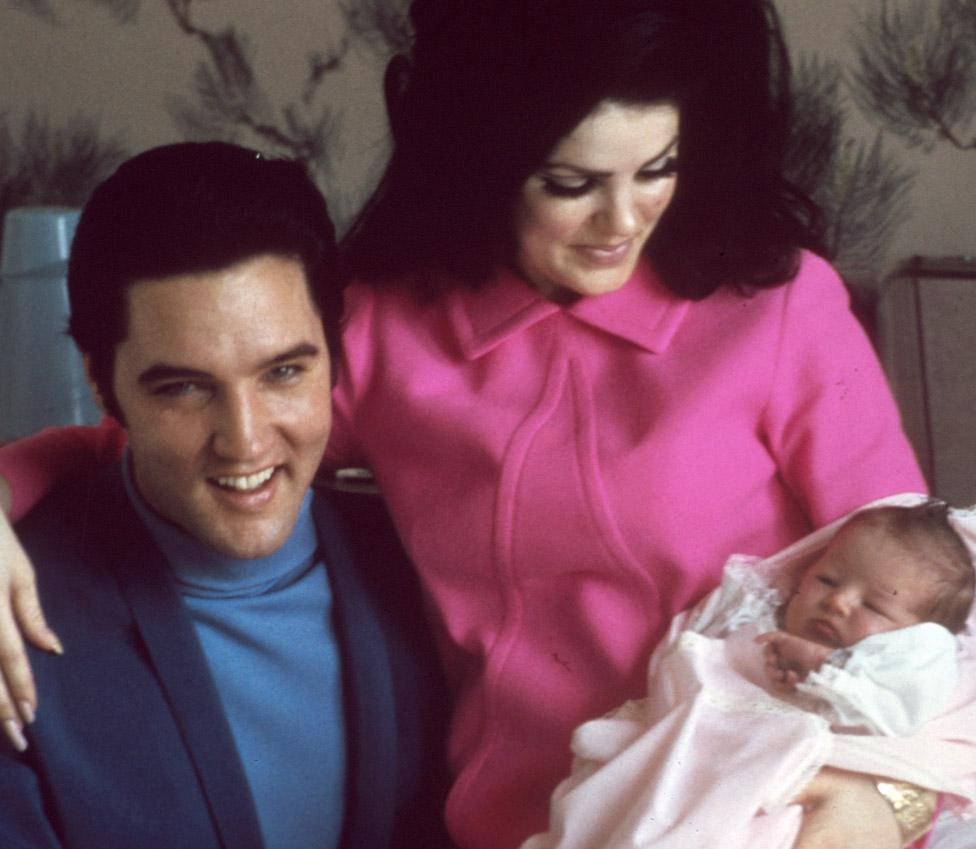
x=492, y=87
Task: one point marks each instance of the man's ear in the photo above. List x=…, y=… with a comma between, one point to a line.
x=96, y=394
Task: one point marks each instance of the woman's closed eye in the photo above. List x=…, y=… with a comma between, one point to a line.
x=578, y=186
x=667, y=168
x=564, y=187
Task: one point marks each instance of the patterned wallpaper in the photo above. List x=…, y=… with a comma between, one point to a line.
x=886, y=95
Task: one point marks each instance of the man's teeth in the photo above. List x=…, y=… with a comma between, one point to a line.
x=243, y=483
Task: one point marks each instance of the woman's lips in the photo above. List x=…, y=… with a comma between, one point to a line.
x=605, y=255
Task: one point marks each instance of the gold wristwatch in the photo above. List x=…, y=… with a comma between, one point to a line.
x=913, y=807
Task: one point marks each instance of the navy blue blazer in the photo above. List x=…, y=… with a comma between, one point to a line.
x=131, y=748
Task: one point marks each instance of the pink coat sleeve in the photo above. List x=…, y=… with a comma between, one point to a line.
x=831, y=419
x=37, y=464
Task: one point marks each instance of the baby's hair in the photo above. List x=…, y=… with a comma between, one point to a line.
x=926, y=530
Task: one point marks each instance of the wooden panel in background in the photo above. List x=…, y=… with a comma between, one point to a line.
x=927, y=333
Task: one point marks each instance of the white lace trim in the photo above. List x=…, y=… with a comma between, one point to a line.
x=757, y=602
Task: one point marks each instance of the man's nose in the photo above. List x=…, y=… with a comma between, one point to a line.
x=241, y=428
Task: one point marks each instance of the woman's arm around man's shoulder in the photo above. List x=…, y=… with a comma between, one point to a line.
x=29, y=469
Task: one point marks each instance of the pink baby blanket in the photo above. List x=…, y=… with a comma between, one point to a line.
x=710, y=758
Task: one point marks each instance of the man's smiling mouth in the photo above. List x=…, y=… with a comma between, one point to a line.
x=245, y=483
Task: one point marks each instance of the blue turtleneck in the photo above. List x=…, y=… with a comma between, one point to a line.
x=265, y=626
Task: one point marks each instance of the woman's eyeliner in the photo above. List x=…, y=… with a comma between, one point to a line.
x=665, y=169
x=554, y=188
x=559, y=190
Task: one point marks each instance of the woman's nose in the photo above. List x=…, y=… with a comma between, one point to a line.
x=621, y=215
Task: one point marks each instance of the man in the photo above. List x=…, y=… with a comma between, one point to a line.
x=244, y=665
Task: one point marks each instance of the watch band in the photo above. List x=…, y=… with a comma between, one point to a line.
x=913, y=807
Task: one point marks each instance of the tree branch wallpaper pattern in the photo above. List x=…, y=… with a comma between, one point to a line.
x=916, y=72
x=914, y=78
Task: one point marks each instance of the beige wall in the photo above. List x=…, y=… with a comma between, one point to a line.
x=943, y=201
x=126, y=74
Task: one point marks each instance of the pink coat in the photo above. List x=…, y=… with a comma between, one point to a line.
x=567, y=478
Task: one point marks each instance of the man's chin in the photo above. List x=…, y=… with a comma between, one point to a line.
x=254, y=551
x=247, y=542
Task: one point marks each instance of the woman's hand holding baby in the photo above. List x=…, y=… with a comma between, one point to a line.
x=844, y=809
x=789, y=659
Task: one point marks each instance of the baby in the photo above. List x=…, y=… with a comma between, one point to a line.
x=886, y=569
x=860, y=644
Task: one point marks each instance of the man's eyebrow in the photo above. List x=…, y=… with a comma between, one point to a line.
x=167, y=371
x=164, y=371
x=301, y=351
x=588, y=173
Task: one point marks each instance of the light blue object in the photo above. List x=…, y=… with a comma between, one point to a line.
x=42, y=380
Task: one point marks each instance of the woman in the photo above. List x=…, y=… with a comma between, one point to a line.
x=587, y=359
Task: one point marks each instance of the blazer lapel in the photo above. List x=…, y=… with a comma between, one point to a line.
x=181, y=667
x=371, y=728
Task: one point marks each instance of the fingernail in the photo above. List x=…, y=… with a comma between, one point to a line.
x=56, y=646
x=14, y=734
x=26, y=712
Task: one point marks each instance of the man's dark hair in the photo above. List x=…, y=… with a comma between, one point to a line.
x=192, y=208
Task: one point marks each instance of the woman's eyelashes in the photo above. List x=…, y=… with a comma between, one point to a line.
x=559, y=189
x=565, y=187
x=668, y=168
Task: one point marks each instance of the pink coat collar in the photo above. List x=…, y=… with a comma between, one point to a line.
x=642, y=312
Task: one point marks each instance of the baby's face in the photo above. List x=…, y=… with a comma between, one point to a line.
x=864, y=583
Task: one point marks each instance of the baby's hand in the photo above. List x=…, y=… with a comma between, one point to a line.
x=790, y=659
